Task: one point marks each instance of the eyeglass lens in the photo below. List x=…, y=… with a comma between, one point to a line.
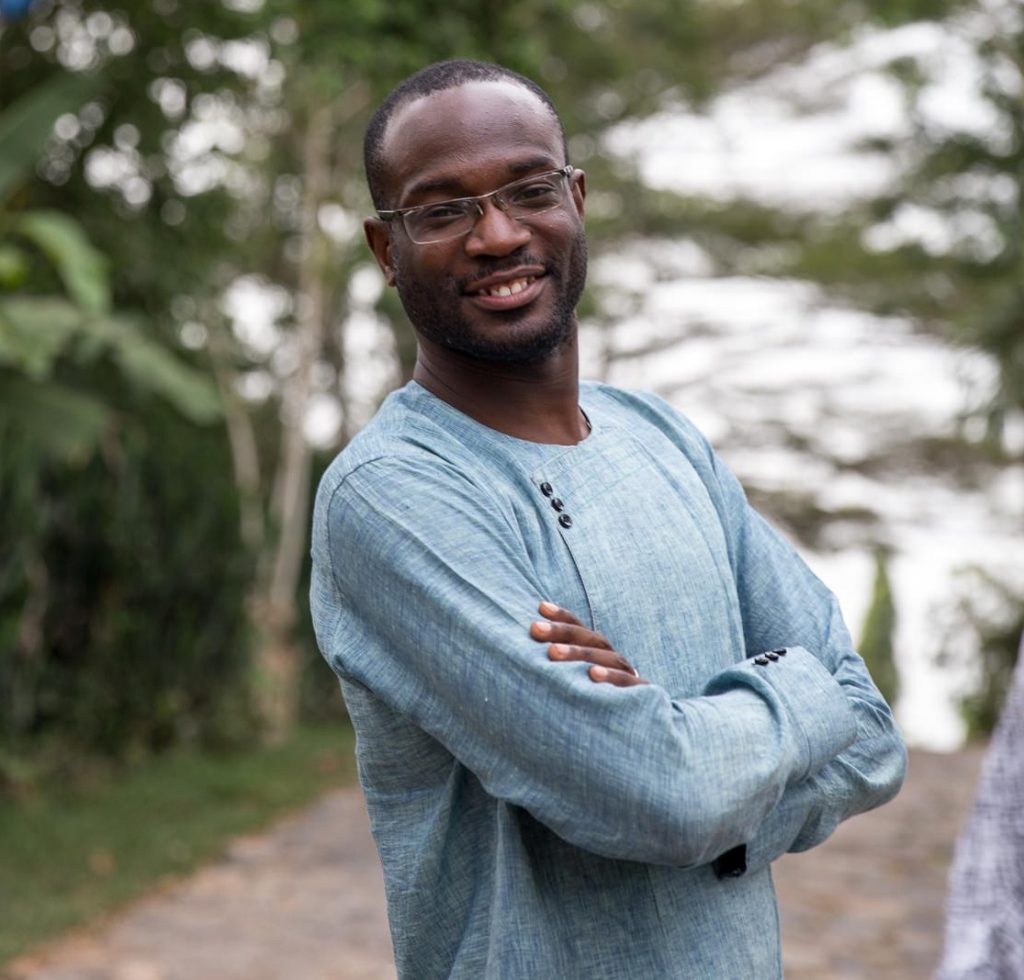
x=450, y=219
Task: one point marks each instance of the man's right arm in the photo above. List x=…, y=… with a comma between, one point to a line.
x=425, y=596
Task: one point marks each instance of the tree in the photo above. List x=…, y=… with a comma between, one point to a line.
x=92, y=414
x=878, y=633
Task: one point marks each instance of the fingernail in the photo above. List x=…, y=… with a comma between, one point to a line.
x=598, y=673
x=543, y=629
x=548, y=607
x=559, y=650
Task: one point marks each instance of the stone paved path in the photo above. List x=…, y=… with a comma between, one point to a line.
x=305, y=900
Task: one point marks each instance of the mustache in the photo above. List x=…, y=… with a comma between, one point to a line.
x=485, y=268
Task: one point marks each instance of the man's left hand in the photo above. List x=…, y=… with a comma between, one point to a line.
x=571, y=640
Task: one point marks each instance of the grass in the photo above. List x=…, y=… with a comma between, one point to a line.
x=69, y=859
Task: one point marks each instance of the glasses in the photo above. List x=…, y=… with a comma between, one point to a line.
x=426, y=224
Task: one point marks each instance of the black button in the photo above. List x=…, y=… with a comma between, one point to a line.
x=761, y=661
x=557, y=504
x=547, y=489
x=772, y=655
x=565, y=520
x=780, y=653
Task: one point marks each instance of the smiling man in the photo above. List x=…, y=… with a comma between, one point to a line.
x=595, y=694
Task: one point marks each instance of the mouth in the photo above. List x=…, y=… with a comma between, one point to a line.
x=507, y=291
x=508, y=288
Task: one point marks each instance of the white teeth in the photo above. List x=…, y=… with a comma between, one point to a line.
x=508, y=288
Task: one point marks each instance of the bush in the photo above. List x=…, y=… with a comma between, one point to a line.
x=122, y=587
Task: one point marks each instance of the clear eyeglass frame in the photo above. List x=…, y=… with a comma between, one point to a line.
x=442, y=221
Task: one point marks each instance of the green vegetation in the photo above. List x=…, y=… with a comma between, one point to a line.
x=69, y=858
x=983, y=636
x=877, y=636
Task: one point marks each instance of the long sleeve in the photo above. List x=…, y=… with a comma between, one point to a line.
x=423, y=594
x=783, y=603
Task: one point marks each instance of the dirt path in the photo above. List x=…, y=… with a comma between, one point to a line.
x=305, y=900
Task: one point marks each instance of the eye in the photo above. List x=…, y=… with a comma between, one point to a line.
x=539, y=193
x=442, y=213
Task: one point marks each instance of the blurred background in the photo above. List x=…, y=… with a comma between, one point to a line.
x=806, y=222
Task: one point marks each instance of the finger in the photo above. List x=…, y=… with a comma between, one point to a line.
x=618, y=678
x=593, y=655
x=568, y=633
x=557, y=614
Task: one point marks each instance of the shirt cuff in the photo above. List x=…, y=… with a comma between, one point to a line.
x=813, y=701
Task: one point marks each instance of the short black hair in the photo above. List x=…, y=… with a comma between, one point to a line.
x=438, y=77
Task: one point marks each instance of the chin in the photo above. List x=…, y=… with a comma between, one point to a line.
x=523, y=347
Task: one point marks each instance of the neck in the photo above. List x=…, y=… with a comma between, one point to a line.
x=537, y=402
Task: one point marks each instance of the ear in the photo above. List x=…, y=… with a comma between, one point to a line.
x=378, y=237
x=578, y=189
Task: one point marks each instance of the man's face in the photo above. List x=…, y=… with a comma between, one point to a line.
x=467, y=141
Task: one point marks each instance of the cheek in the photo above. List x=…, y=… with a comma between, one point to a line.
x=424, y=270
x=564, y=228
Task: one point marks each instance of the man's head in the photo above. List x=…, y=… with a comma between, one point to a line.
x=435, y=78
x=506, y=288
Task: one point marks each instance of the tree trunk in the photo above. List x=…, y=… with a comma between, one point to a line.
x=277, y=658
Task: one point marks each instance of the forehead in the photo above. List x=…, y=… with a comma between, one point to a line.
x=476, y=132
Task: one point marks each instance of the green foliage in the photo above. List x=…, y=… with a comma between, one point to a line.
x=34, y=331
x=69, y=857
x=983, y=635
x=114, y=618
x=969, y=288
x=122, y=587
x=879, y=630
x=56, y=422
x=37, y=332
x=81, y=267
x=26, y=125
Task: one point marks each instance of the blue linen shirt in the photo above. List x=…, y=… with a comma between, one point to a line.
x=530, y=822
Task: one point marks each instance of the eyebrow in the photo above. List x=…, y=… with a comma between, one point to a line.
x=455, y=187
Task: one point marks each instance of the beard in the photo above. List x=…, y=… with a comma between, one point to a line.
x=435, y=311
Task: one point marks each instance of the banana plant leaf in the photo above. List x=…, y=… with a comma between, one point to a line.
x=26, y=125
x=63, y=241
x=35, y=331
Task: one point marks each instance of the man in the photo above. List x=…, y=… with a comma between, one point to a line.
x=596, y=791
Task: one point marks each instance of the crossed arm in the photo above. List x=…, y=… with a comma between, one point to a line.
x=569, y=639
x=675, y=780
x=808, y=811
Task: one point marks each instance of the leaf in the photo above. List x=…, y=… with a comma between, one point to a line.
x=26, y=125
x=14, y=267
x=35, y=330
x=59, y=423
x=82, y=267
x=156, y=369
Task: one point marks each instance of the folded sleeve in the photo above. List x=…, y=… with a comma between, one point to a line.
x=784, y=603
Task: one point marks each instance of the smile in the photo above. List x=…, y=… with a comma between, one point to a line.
x=508, y=288
x=512, y=294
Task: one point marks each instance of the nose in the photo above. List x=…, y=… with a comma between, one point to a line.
x=496, y=232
